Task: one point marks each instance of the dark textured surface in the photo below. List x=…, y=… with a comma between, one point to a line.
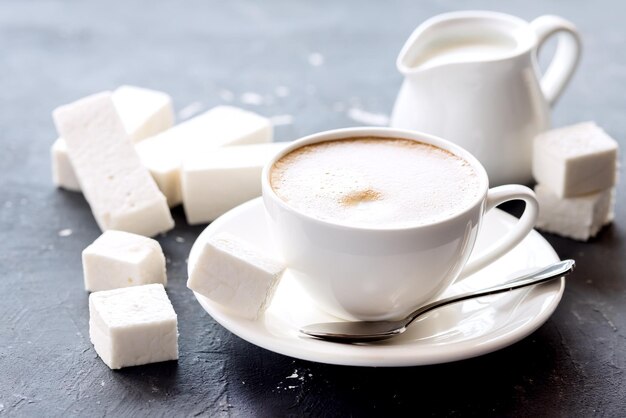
x=55, y=52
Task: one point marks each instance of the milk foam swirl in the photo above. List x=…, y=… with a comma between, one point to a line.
x=380, y=182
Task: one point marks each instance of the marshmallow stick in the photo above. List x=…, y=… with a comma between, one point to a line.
x=144, y=113
x=216, y=181
x=120, y=191
x=163, y=154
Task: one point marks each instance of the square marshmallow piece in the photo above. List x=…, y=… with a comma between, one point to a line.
x=575, y=160
x=121, y=259
x=232, y=273
x=133, y=326
x=163, y=154
x=215, y=181
x=577, y=217
x=120, y=191
x=144, y=113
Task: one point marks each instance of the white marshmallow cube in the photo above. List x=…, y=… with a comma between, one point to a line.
x=577, y=217
x=120, y=191
x=133, y=326
x=575, y=160
x=216, y=181
x=121, y=259
x=163, y=154
x=236, y=275
x=143, y=112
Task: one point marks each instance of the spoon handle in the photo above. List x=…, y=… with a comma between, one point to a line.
x=541, y=275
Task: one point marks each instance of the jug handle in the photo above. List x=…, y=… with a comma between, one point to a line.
x=565, y=58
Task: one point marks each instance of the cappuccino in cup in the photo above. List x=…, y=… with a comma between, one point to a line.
x=373, y=222
x=375, y=182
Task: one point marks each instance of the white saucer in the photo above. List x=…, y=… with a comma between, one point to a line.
x=455, y=332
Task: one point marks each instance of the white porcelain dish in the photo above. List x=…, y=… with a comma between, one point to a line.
x=455, y=332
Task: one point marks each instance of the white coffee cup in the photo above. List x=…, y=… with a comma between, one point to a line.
x=372, y=273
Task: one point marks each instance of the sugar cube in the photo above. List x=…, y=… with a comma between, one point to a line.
x=120, y=191
x=576, y=217
x=216, y=181
x=143, y=112
x=133, y=326
x=575, y=160
x=236, y=275
x=121, y=259
x=223, y=125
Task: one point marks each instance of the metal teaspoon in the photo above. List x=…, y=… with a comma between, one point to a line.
x=364, y=331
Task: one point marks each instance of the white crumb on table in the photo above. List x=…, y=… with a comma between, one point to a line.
x=251, y=98
x=368, y=118
x=281, y=91
x=280, y=120
x=190, y=110
x=65, y=232
x=339, y=106
x=316, y=59
x=226, y=95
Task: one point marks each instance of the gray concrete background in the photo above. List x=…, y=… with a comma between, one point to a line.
x=53, y=52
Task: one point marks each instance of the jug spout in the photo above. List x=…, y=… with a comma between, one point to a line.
x=462, y=38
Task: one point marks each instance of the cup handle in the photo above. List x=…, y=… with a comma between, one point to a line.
x=565, y=58
x=495, y=197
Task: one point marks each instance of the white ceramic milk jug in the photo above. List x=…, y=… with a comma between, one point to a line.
x=472, y=78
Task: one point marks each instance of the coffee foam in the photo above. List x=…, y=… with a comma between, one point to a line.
x=379, y=182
